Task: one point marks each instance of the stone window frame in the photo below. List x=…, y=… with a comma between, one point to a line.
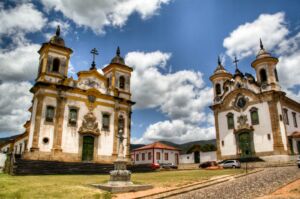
x=286, y=116
x=218, y=89
x=166, y=156
x=74, y=108
x=157, y=155
x=294, y=114
x=57, y=61
x=137, y=158
x=47, y=119
x=149, y=156
x=252, y=111
x=123, y=82
x=230, y=115
x=102, y=122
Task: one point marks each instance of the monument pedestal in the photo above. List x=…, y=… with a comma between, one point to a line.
x=120, y=180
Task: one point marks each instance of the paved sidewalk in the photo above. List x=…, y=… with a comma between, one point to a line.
x=250, y=186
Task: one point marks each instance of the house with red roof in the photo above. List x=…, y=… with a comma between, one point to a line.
x=156, y=152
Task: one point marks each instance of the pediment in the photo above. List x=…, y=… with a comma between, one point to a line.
x=239, y=99
x=92, y=80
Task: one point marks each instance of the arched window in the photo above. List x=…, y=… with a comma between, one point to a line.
x=254, y=116
x=276, y=75
x=108, y=82
x=263, y=76
x=55, y=66
x=218, y=89
x=122, y=82
x=230, y=121
x=121, y=123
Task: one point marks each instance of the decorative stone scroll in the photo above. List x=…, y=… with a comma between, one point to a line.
x=89, y=125
x=243, y=124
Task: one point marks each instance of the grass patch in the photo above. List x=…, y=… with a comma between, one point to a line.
x=78, y=186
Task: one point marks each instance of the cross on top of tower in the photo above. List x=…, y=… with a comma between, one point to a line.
x=94, y=52
x=235, y=61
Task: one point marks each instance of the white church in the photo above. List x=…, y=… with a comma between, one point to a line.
x=253, y=116
x=76, y=120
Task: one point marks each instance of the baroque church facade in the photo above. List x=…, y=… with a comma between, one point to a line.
x=253, y=116
x=78, y=120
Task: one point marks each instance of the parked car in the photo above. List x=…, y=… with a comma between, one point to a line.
x=168, y=166
x=230, y=164
x=298, y=161
x=207, y=164
x=155, y=166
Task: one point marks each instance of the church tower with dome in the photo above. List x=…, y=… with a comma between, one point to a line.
x=77, y=120
x=253, y=117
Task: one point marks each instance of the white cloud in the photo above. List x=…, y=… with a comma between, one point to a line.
x=15, y=99
x=175, y=131
x=20, y=63
x=181, y=96
x=244, y=40
x=98, y=14
x=22, y=19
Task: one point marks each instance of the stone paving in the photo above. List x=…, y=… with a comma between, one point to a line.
x=250, y=186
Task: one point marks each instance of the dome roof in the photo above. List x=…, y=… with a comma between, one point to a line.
x=118, y=59
x=56, y=39
x=262, y=52
x=220, y=68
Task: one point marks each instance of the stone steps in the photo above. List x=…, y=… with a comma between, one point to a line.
x=39, y=167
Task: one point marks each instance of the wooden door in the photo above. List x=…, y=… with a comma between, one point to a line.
x=88, y=148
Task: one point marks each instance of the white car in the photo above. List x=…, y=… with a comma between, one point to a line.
x=230, y=164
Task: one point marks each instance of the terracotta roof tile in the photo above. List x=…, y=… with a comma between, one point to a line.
x=157, y=145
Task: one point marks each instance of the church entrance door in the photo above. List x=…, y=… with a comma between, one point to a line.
x=88, y=148
x=245, y=144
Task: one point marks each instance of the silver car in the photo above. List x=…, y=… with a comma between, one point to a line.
x=230, y=164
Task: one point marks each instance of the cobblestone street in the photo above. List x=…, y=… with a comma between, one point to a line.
x=251, y=186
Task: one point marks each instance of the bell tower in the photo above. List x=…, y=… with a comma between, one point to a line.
x=118, y=76
x=54, y=59
x=266, y=72
x=218, y=79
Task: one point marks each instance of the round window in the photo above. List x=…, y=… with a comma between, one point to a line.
x=241, y=102
x=45, y=140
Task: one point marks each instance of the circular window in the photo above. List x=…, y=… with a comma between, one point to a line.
x=241, y=102
x=45, y=140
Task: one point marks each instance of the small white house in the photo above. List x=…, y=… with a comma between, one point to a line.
x=156, y=152
x=195, y=155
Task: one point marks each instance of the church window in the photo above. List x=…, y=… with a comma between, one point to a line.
x=158, y=155
x=49, y=114
x=108, y=82
x=276, y=74
x=230, y=121
x=286, y=116
x=122, y=82
x=73, y=112
x=105, y=121
x=143, y=156
x=45, y=140
x=137, y=157
x=121, y=122
x=269, y=136
x=263, y=76
x=149, y=156
x=218, y=89
x=55, y=66
x=295, y=119
x=166, y=156
x=222, y=142
x=291, y=146
x=254, y=116
x=20, y=148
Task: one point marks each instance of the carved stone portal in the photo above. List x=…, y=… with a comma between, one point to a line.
x=243, y=124
x=89, y=125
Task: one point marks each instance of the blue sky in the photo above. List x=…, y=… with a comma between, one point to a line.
x=175, y=41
